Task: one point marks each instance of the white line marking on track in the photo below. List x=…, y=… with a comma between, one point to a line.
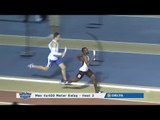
x=82, y=40
x=113, y=51
x=11, y=103
x=80, y=83
x=139, y=16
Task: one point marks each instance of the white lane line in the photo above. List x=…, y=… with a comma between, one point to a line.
x=139, y=16
x=82, y=40
x=80, y=83
x=113, y=51
x=12, y=103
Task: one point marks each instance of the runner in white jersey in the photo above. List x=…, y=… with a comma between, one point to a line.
x=53, y=57
x=54, y=51
x=84, y=69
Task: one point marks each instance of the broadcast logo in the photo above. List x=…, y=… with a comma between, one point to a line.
x=124, y=95
x=108, y=95
x=25, y=95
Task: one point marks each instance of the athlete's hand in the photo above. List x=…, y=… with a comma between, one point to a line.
x=94, y=55
x=94, y=58
x=65, y=50
x=80, y=58
x=63, y=54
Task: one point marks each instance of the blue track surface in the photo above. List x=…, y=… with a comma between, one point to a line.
x=118, y=68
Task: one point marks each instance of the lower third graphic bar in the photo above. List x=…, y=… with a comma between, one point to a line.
x=124, y=95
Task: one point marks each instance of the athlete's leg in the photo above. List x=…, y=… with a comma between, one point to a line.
x=78, y=76
x=75, y=80
x=93, y=77
x=39, y=67
x=90, y=74
x=63, y=71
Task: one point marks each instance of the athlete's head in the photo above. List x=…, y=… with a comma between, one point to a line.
x=85, y=51
x=56, y=35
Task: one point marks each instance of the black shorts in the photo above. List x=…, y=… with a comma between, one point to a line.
x=80, y=74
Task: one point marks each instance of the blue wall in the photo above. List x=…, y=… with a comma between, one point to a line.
x=113, y=28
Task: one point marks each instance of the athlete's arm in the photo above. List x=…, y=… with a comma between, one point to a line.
x=80, y=58
x=88, y=62
x=53, y=49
